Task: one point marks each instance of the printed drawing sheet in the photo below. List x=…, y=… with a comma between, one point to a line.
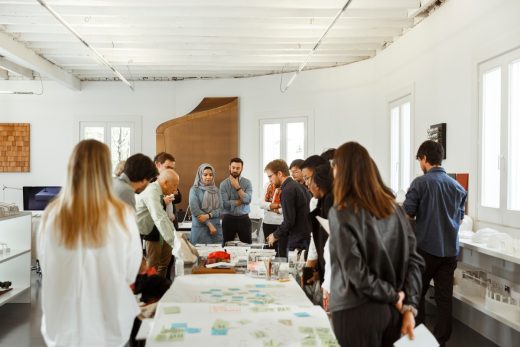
x=225, y=324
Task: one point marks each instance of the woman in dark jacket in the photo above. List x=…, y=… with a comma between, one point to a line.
x=376, y=271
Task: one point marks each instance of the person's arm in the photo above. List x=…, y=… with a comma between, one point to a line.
x=134, y=253
x=413, y=198
x=246, y=192
x=195, y=203
x=217, y=212
x=128, y=196
x=289, y=213
x=413, y=281
x=178, y=197
x=461, y=206
x=354, y=269
x=160, y=217
x=225, y=196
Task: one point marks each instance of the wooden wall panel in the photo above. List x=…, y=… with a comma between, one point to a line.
x=14, y=147
x=208, y=134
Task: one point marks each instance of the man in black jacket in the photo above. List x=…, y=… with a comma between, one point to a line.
x=296, y=225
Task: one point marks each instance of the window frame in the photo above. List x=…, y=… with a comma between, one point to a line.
x=283, y=121
x=392, y=104
x=501, y=215
x=108, y=122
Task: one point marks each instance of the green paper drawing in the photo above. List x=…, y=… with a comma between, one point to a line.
x=170, y=335
x=271, y=343
x=309, y=341
x=286, y=322
x=259, y=334
x=172, y=310
x=306, y=330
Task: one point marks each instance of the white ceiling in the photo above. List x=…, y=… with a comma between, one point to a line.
x=176, y=39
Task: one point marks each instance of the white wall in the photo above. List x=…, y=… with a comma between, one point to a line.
x=437, y=61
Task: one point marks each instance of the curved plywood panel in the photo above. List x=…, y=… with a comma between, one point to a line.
x=209, y=134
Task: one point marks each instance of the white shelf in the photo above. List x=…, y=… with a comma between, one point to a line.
x=16, y=266
x=13, y=254
x=479, y=303
x=12, y=294
x=489, y=251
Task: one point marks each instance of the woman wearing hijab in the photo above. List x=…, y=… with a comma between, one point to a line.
x=205, y=205
x=90, y=252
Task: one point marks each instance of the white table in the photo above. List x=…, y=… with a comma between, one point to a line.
x=240, y=289
x=223, y=325
x=238, y=310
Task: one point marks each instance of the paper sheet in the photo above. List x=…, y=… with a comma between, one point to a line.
x=324, y=223
x=423, y=338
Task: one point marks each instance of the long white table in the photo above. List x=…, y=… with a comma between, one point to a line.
x=238, y=289
x=237, y=310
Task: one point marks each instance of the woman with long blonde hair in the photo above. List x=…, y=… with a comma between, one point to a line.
x=89, y=250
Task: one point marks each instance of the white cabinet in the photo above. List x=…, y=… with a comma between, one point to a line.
x=487, y=293
x=15, y=266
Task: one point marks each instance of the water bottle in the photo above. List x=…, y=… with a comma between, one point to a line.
x=179, y=267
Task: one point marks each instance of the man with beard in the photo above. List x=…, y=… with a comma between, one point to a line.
x=236, y=192
x=138, y=171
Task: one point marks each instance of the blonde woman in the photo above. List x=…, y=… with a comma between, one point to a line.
x=89, y=249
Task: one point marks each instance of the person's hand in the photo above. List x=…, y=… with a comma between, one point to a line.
x=212, y=229
x=408, y=324
x=399, y=304
x=274, y=206
x=203, y=217
x=315, y=277
x=234, y=182
x=325, y=300
x=271, y=239
x=168, y=199
x=238, y=202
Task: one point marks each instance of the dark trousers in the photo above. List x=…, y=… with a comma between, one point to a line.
x=281, y=245
x=441, y=270
x=371, y=324
x=232, y=225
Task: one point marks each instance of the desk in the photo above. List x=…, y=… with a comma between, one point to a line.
x=225, y=325
x=204, y=288
x=237, y=310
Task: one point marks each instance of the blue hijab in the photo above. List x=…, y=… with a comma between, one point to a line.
x=211, y=199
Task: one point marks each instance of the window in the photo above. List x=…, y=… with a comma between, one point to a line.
x=122, y=136
x=400, y=144
x=282, y=139
x=499, y=152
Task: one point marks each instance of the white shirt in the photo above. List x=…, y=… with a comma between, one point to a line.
x=86, y=298
x=313, y=253
x=150, y=212
x=271, y=217
x=328, y=272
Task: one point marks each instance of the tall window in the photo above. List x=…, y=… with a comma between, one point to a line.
x=282, y=139
x=400, y=144
x=121, y=136
x=499, y=156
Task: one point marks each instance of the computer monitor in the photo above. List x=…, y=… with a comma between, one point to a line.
x=37, y=198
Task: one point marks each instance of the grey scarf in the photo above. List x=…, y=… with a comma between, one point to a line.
x=211, y=199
